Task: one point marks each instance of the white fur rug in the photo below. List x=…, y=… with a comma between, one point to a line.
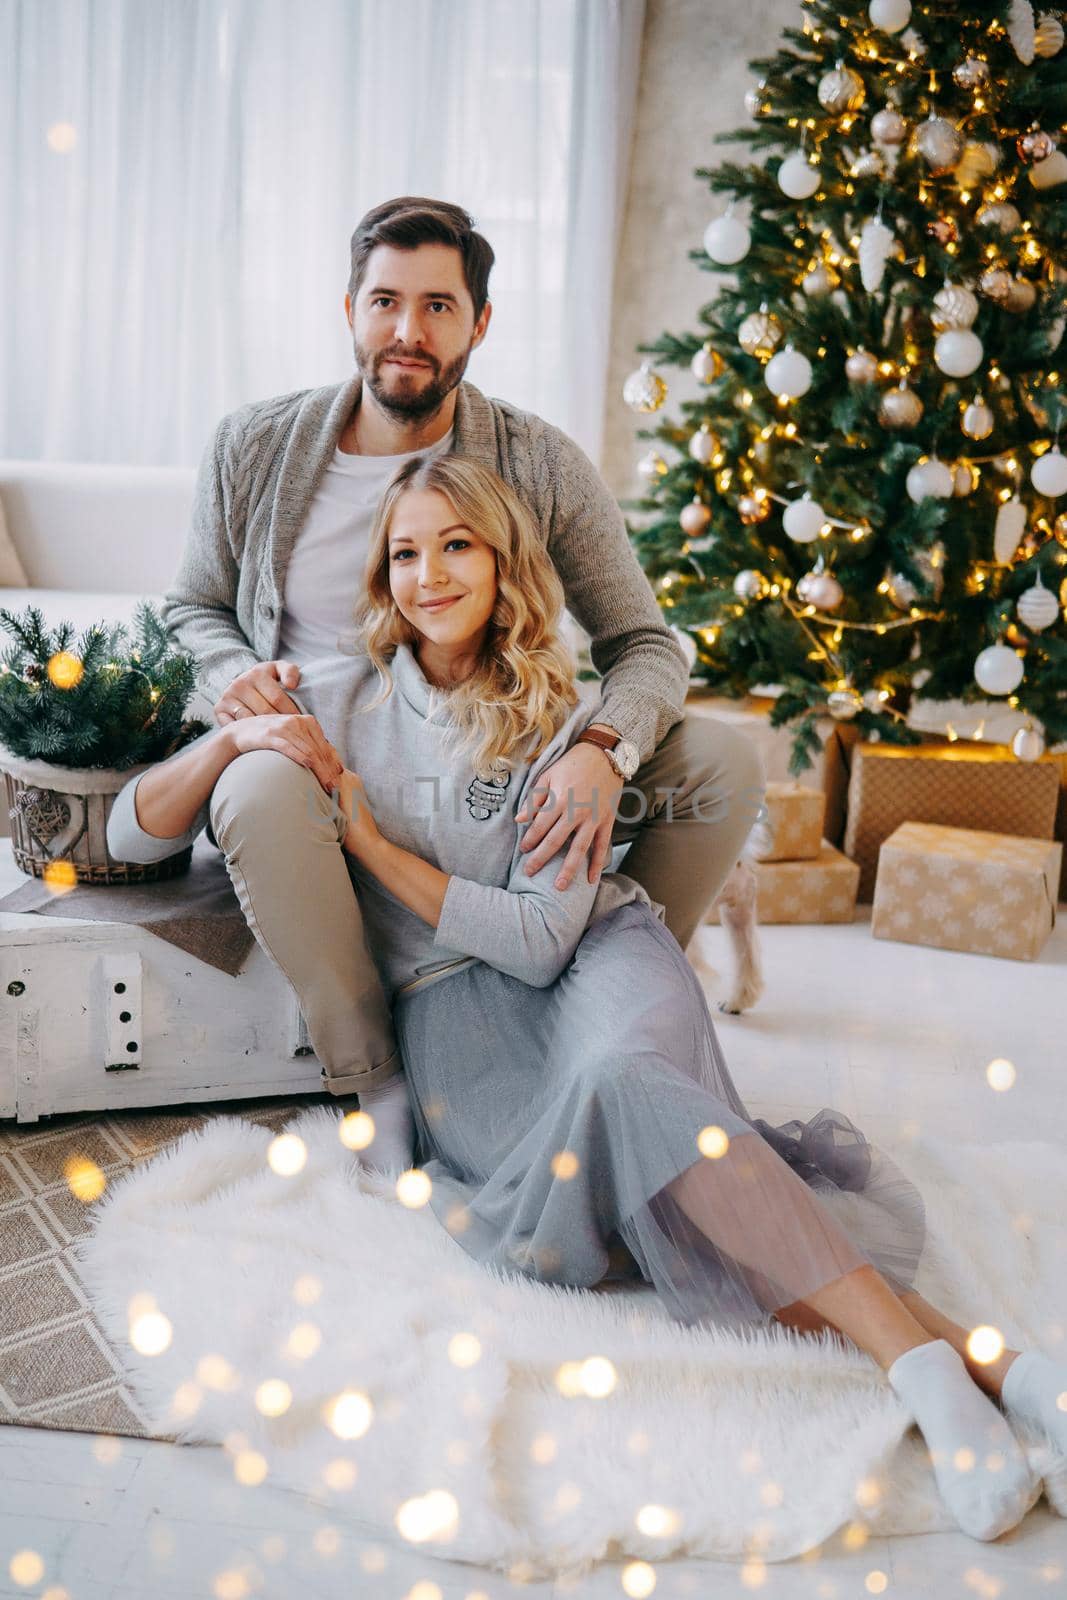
x=758, y=1444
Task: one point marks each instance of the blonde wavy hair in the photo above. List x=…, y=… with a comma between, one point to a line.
x=523, y=686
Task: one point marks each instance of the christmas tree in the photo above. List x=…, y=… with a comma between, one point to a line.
x=868, y=501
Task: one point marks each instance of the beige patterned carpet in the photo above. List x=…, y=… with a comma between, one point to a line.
x=57, y=1369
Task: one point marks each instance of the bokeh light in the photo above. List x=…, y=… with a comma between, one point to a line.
x=413, y=1189
x=638, y=1579
x=657, y=1522
x=464, y=1350
x=26, y=1568
x=65, y=670
x=350, y=1414
x=287, y=1154
x=150, y=1333
x=85, y=1179
x=60, y=877
x=62, y=138
x=429, y=1516
x=985, y=1344
x=1000, y=1074
x=713, y=1142
x=356, y=1130
x=250, y=1467
x=304, y=1340
x=273, y=1397
x=565, y=1165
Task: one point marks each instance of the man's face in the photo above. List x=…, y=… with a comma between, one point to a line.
x=413, y=327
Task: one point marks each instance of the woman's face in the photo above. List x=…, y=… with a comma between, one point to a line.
x=434, y=556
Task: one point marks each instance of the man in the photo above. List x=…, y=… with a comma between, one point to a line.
x=284, y=504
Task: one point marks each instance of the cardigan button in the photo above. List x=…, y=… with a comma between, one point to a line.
x=268, y=612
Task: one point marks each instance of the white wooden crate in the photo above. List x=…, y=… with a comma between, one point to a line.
x=104, y=1015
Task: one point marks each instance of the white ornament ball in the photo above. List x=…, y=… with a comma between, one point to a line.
x=1048, y=36
x=644, y=390
x=651, y=467
x=929, y=480
x=1050, y=172
x=727, y=240
x=803, y=519
x=694, y=518
x=706, y=365
x=978, y=420
x=844, y=704
x=1008, y=529
x=954, y=307
x=1037, y=608
x=823, y=590
x=1028, y=744
x=958, y=352
x=797, y=177
x=703, y=445
x=1049, y=473
x=861, y=366
x=687, y=644
x=817, y=282
x=888, y=126
x=998, y=670
x=788, y=374
x=939, y=142
x=750, y=585
x=892, y=16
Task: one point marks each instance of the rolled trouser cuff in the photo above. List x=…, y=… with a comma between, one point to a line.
x=364, y=1077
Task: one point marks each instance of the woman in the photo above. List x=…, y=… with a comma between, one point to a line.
x=573, y=1108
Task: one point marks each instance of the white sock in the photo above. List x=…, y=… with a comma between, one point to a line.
x=393, y=1145
x=1035, y=1391
x=984, y=1478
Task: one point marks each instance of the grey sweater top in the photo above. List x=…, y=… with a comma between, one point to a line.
x=426, y=801
x=257, y=479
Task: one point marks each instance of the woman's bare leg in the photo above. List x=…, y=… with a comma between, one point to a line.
x=806, y=1318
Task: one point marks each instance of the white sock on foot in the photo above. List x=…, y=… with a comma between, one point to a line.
x=981, y=1471
x=1035, y=1391
x=393, y=1145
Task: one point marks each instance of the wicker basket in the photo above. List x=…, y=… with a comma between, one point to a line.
x=60, y=814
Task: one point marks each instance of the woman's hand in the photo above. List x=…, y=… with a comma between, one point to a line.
x=299, y=737
x=362, y=834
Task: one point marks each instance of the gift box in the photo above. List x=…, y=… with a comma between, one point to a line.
x=823, y=890
x=992, y=894
x=961, y=785
x=793, y=819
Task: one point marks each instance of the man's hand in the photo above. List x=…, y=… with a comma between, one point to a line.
x=581, y=799
x=260, y=692
x=362, y=833
x=300, y=738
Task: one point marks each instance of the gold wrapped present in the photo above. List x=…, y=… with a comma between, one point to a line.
x=963, y=889
x=794, y=821
x=961, y=785
x=823, y=890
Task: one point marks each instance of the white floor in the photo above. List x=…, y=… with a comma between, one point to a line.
x=897, y=1037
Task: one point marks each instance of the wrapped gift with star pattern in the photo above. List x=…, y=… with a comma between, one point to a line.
x=794, y=821
x=961, y=889
x=823, y=890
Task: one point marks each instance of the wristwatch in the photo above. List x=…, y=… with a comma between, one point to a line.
x=624, y=756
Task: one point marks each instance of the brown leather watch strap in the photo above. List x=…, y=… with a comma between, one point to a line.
x=597, y=736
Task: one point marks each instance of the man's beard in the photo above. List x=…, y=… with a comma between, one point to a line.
x=417, y=404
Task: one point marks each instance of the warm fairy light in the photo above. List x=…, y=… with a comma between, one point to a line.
x=307, y=1289
x=876, y=1582
x=349, y=1414
x=544, y=1449
x=250, y=1468
x=303, y=1341
x=1000, y=1074
x=985, y=1344
x=429, y=1516
x=215, y=1372
x=26, y=1568
x=638, y=1580
x=657, y=1522
x=746, y=397
x=595, y=1378
x=464, y=1350
x=273, y=1397
x=753, y=1573
x=65, y=670
x=713, y=1142
x=286, y=1154
x=855, y=1536
x=85, y=1179
x=868, y=1493
x=413, y=1189
x=150, y=1333
x=340, y=1474
x=564, y=1165
x=356, y=1130
x=60, y=877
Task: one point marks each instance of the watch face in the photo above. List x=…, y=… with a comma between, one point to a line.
x=628, y=756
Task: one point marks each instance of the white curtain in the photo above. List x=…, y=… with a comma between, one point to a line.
x=179, y=180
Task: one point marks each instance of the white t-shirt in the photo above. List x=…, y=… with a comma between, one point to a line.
x=324, y=578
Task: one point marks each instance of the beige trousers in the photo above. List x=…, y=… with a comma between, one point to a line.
x=685, y=815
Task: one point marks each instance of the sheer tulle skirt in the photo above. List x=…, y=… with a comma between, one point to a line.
x=592, y=1130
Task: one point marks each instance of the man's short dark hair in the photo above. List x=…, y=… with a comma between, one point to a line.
x=413, y=220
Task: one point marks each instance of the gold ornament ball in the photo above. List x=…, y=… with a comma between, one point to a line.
x=1000, y=215
x=900, y=408
x=819, y=281
x=644, y=390
x=760, y=334
x=1021, y=296
x=652, y=467
x=822, y=590
x=1035, y=145
x=694, y=518
x=977, y=421
x=1059, y=528
x=1028, y=744
x=844, y=704
x=996, y=284
x=1048, y=35
x=888, y=126
x=753, y=508
x=841, y=90
x=861, y=366
x=954, y=307
x=706, y=365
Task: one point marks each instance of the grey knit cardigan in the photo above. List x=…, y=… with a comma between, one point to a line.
x=256, y=481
